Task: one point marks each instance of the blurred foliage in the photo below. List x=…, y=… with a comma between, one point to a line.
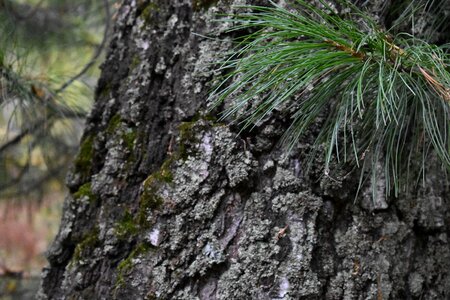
x=49, y=56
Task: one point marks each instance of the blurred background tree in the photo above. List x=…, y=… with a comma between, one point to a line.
x=49, y=55
x=50, y=51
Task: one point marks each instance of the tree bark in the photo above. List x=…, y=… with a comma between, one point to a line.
x=167, y=203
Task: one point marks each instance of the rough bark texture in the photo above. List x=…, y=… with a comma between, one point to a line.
x=168, y=204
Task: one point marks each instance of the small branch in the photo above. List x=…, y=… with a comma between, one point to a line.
x=394, y=52
x=18, y=177
x=357, y=54
x=96, y=54
x=53, y=173
x=30, y=14
x=438, y=87
x=37, y=125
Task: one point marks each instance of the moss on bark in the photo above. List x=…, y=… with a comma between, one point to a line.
x=83, y=161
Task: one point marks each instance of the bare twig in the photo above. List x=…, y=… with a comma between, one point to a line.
x=30, y=14
x=37, y=125
x=96, y=54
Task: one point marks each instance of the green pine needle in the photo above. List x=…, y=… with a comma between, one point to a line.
x=386, y=97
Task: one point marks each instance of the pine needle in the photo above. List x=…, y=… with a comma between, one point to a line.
x=387, y=97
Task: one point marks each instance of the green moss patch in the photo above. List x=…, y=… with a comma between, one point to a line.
x=135, y=61
x=85, y=247
x=129, y=137
x=187, y=136
x=188, y=130
x=126, y=265
x=104, y=92
x=126, y=227
x=85, y=191
x=149, y=197
x=202, y=4
x=164, y=173
x=148, y=13
x=113, y=124
x=83, y=160
x=149, y=200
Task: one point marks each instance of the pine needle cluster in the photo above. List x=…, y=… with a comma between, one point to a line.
x=386, y=97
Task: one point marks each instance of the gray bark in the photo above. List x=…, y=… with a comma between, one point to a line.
x=168, y=204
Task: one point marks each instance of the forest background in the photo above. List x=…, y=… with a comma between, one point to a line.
x=50, y=52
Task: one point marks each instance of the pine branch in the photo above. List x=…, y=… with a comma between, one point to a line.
x=387, y=97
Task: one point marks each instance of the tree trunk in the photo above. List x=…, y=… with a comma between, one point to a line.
x=168, y=203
